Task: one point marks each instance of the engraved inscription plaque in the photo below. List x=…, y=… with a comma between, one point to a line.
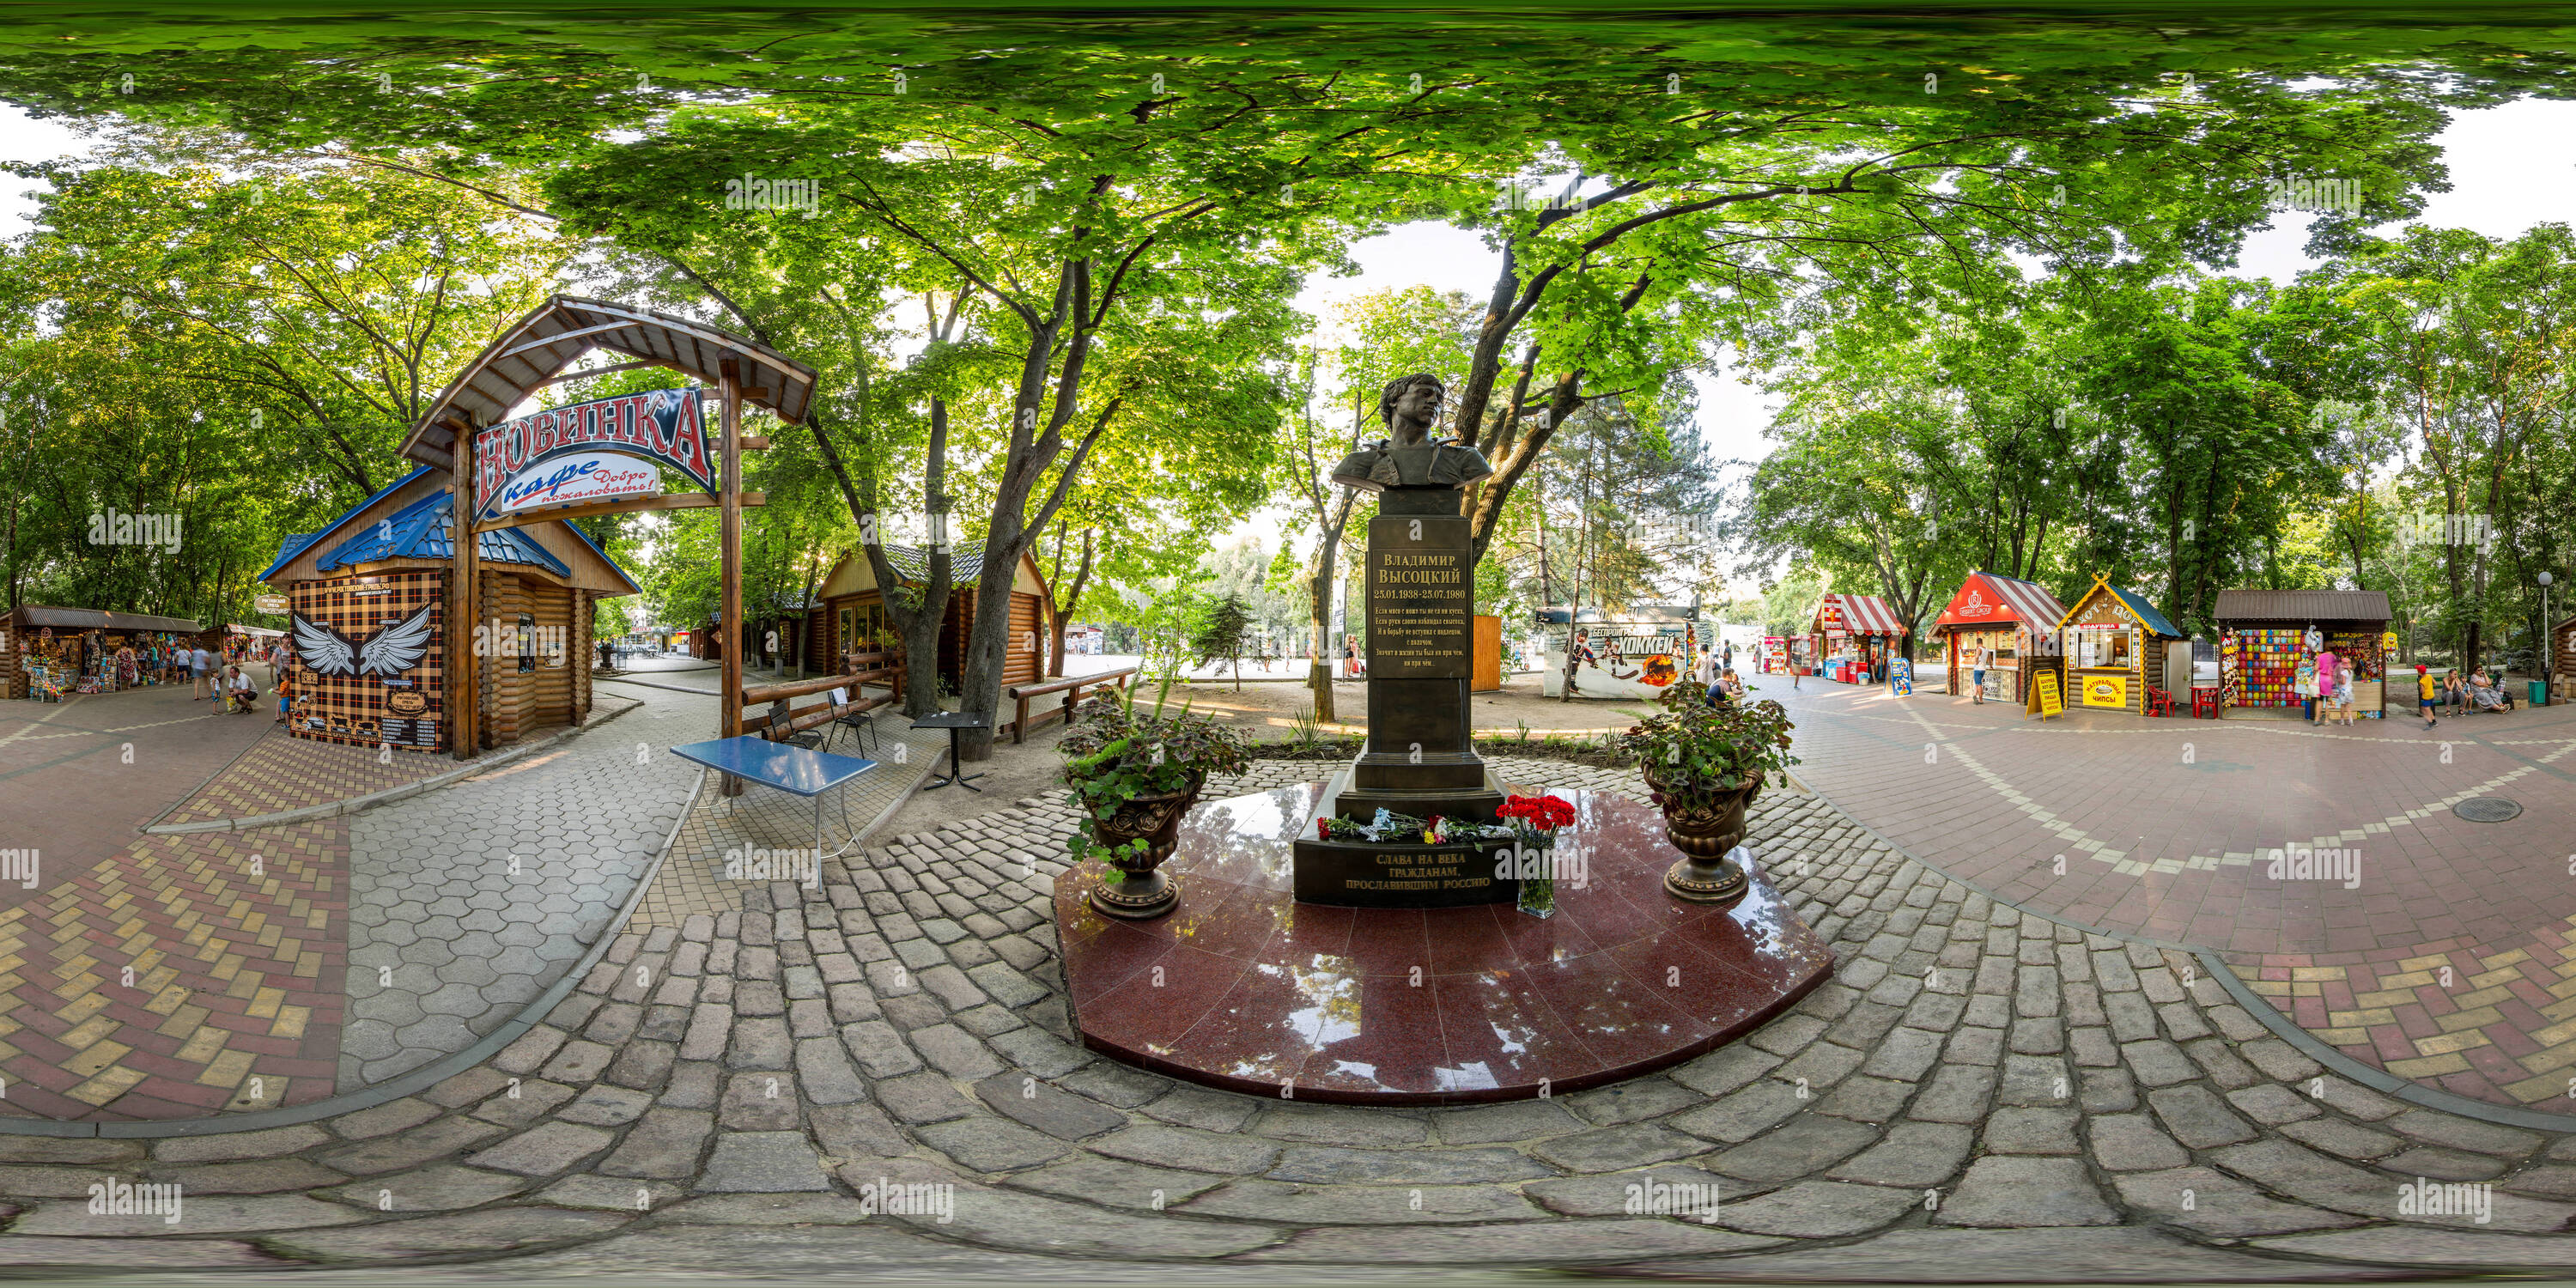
x=1421, y=597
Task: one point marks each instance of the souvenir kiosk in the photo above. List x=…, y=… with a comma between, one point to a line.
x=2269, y=639
x=370, y=646
x=2114, y=642
x=1850, y=634
x=50, y=653
x=1992, y=611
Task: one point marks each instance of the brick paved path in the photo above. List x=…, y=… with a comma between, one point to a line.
x=281, y=772
x=180, y=976
x=2163, y=826
x=1980, y=1093
x=67, y=790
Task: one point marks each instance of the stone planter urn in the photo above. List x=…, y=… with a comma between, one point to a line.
x=1143, y=890
x=1704, y=826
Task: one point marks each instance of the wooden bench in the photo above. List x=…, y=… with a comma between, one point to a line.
x=866, y=670
x=1072, y=689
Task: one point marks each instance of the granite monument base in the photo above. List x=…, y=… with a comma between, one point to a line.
x=1401, y=874
x=1248, y=989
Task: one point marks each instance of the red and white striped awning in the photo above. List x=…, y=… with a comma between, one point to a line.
x=1987, y=599
x=1866, y=615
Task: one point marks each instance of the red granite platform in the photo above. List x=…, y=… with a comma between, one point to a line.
x=1245, y=989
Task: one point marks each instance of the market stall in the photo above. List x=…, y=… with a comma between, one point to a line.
x=2114, y=642
x=2268, y=640
x=50, y=652
x=1992, y=611
x=1850, y=635
x=1771, y=657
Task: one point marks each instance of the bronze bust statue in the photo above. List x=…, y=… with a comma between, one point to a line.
x=1410, y=457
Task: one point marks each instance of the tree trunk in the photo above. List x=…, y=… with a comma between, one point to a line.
x=1060, y=613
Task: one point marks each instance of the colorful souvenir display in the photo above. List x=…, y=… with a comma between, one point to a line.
x=2267, y=667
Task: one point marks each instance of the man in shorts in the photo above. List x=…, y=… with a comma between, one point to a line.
x=2424, y=698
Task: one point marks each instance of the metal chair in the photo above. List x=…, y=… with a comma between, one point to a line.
x=863, y=725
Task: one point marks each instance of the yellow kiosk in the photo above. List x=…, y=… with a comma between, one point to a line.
x=2114, y=644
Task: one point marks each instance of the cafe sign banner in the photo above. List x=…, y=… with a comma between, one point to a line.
x=662, y=426
x=576, y=479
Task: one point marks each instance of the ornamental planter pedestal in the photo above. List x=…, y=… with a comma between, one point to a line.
x=1146, y=891
x=1704, y=826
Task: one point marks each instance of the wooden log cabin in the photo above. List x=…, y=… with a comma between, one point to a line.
x=368, y=602
x=849, y=613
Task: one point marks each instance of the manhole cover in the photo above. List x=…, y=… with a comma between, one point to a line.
x=2487, y=809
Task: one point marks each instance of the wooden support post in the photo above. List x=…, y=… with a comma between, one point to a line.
x=729, y=632
x=465, y=606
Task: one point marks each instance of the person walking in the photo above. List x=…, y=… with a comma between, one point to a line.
x=2424, y=699
x=201, y=667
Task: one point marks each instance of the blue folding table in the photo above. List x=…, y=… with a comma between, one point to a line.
x=802, y=771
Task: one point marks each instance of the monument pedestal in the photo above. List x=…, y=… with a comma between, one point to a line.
x=1397, y=873
x=1420, y=759
x=1251, y=986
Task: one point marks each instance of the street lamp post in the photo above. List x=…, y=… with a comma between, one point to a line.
x=2548, y=643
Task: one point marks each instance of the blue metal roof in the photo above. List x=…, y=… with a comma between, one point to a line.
x=295, y=546
x=421, y=530
x=2146, y=612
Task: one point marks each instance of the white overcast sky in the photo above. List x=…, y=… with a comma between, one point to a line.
x=2511, y=167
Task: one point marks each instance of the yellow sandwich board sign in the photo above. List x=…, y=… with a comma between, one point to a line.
x=2052, y=700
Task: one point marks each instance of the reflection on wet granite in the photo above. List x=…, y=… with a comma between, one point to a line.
x=1246, y=989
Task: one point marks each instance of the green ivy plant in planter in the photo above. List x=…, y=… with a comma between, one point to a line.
x=1704, y=765
x=1136, y=774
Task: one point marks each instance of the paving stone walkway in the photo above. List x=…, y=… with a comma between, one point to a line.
x=2433, y=947
x=468, y=902
x=1978, y=1093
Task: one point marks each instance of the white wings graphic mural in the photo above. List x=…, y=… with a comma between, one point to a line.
x=388, y=652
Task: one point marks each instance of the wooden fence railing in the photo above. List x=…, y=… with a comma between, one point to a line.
x=1071, y=688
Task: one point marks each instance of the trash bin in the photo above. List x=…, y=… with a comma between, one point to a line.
x=2539, y=694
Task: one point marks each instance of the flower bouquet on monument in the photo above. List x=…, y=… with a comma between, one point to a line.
x=1136, y=774
x=1535, y=819
x=1704, y=765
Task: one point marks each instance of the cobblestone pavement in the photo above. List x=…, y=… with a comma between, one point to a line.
x=68, y=789
x=1979, y=1093
x=2441, y=953
x=468, y=902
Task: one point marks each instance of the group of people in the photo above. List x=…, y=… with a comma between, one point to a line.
x=2326, y=693
x=219, y=679
x=1716, y=671
x=2456, y=696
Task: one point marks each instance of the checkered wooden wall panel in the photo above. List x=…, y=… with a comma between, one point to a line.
x=362, y=710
